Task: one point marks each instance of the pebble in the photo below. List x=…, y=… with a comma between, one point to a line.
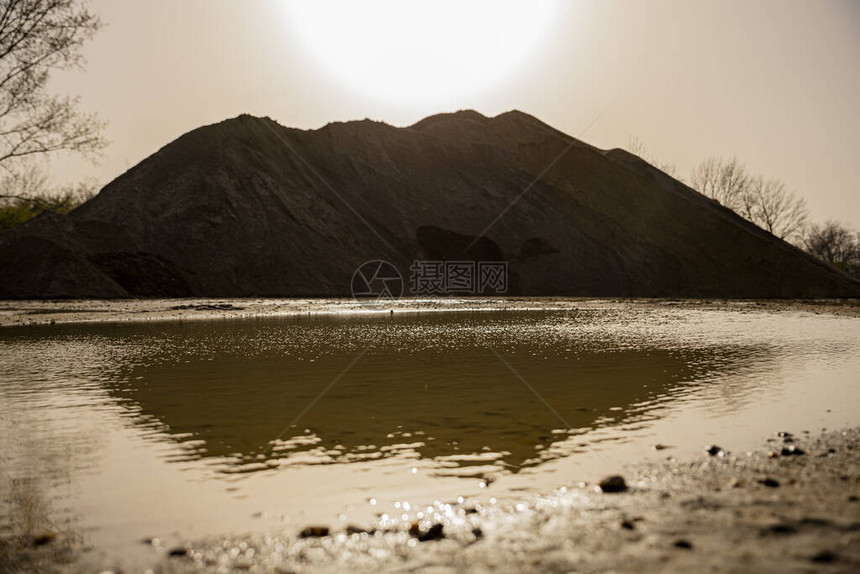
x=685, y=544
x=435, y=532
x=714, y=450
x=314, y=532
x=178, y=552
x=825, y=556
x=781, y=528
x=770, y=482
x=43, y=538
x=614, y=483
x=792, y=450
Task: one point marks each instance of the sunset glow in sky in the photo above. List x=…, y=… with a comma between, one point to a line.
x=774, y=82
x=424, y=53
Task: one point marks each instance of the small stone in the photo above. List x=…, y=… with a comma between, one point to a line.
x=659, y=446
x=714, y=450
x=853, y=498
x=627, y=525
x=43, y=538
x=432, y=533
x=792, y=450
x=314, y=532
x=784, y=434
x=734, y=483
x=614, y=483
x=781, y=528
x=477, y=533
x=685, y=544
x=352, y=529
x=769, y=482
x=178, y=552
x=825, y=556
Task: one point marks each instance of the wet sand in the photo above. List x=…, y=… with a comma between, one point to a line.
x=16, y=313
x=772, y=510
x=766, y=511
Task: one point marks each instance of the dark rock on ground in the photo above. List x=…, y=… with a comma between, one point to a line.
x=714, y=450
x=613, y=483
x=314, y=532
x=178, y=552
x=825, y=557
x=434, y=532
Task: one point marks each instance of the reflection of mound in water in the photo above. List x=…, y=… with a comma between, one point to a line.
x=377, y=281
x=429, y=387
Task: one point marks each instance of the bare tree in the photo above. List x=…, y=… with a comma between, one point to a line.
x=836, y=244
x=724, y=180
x=38, y=37
x=764, y=202
x=769, y=205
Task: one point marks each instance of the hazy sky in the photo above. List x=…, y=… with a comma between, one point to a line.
x=776, y=83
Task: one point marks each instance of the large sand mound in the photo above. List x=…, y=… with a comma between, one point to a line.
x=248, y=207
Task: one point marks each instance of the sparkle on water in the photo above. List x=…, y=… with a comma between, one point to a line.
x=187, y=429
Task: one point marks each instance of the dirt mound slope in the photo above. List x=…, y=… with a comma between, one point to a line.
x=247, y=207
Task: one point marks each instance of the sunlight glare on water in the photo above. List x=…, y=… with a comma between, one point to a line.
x=182, y=429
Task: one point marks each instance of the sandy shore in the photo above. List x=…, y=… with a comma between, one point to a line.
x=768, y=511
x=19, y=313
x=791, y=506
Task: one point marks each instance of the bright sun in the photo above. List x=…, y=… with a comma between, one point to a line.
x=420, y=52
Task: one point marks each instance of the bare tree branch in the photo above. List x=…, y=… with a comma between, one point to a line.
x=36, y=38
x=765, y=202
x=724, y=180
x=834, y=243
